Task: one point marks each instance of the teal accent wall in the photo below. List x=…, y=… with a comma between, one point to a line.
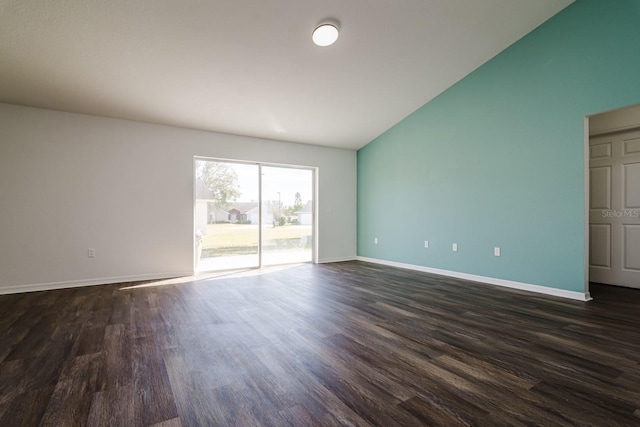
x=498, y=159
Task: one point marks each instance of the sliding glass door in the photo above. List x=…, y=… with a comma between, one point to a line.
x=248, y=215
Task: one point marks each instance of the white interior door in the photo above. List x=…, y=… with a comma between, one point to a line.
x=614, y=208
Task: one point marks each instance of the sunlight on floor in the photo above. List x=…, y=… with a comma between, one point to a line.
x=217, y=275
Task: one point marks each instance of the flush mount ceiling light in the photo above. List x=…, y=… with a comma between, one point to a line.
x=325, y=34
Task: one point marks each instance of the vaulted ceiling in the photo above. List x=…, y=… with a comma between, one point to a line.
x=249, y=67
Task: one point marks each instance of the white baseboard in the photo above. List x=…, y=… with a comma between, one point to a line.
x=4, y=290
x=482, y=279
x=328, y=260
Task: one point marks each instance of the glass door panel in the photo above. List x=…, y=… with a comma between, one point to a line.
x=287, y=215
x=226, y=215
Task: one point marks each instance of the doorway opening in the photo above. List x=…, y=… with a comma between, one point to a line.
x=249, y=215
x=612, y=158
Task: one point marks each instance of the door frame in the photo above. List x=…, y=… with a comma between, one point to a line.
x=314, y=205
x=587, y=196
x=623, y=125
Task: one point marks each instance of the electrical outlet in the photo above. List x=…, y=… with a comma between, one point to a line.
x=375, y=240
x=454, y=247
x=426, y=244
x=496, y=251
x=91, y=253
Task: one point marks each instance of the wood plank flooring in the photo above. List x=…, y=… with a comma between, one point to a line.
x=318, y=345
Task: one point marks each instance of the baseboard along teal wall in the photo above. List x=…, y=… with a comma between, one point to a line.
x=497, y=160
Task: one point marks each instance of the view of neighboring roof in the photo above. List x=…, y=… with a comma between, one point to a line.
x=243, y=207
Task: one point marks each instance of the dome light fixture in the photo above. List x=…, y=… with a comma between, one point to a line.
x=325, y=34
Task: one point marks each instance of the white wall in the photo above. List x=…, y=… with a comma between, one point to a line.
x=69, y=182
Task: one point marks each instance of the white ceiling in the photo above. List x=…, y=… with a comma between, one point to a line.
x=249, y=67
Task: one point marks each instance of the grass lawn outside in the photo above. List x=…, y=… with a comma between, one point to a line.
x=242, y=239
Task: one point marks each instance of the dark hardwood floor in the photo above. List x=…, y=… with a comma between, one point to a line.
x=336, y=344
